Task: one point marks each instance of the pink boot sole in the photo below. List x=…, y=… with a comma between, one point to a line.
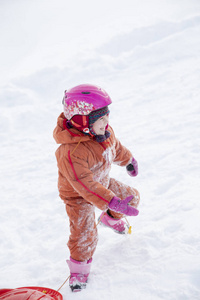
x=117, y=225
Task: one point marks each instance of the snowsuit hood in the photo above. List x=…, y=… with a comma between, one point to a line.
x=62, y=136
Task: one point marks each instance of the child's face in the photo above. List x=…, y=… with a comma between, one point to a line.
x=99, y=126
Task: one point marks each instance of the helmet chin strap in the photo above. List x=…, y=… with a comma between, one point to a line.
x=82, y=124
x=87, y=130
x=81, y=127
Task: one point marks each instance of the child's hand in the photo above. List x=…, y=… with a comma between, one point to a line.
x=132, y=168
x=122, y=206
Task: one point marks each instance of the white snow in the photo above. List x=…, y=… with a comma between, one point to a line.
x=146, y=55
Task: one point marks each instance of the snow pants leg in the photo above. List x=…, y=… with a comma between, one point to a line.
x=122, y=191
x=83, y=232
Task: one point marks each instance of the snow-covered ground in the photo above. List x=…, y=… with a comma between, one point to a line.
x=146, y=54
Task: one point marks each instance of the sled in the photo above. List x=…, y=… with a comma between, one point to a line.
x=30, y=293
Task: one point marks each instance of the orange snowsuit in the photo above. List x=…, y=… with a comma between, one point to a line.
x=84, y=182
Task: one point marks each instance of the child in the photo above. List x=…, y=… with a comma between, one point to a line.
x=88, y=148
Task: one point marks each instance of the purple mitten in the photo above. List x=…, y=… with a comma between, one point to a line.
x=132, y=168
x=122, y=206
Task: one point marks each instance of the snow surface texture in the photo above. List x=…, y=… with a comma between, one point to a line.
x=146, y=55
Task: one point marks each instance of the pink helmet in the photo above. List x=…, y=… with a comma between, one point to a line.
x=83, y=99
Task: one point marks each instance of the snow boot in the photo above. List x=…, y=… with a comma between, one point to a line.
x=79, y=272
x=118, y=225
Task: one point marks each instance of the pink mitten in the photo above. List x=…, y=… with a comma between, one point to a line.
x=122, y=206
x=132, y=168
